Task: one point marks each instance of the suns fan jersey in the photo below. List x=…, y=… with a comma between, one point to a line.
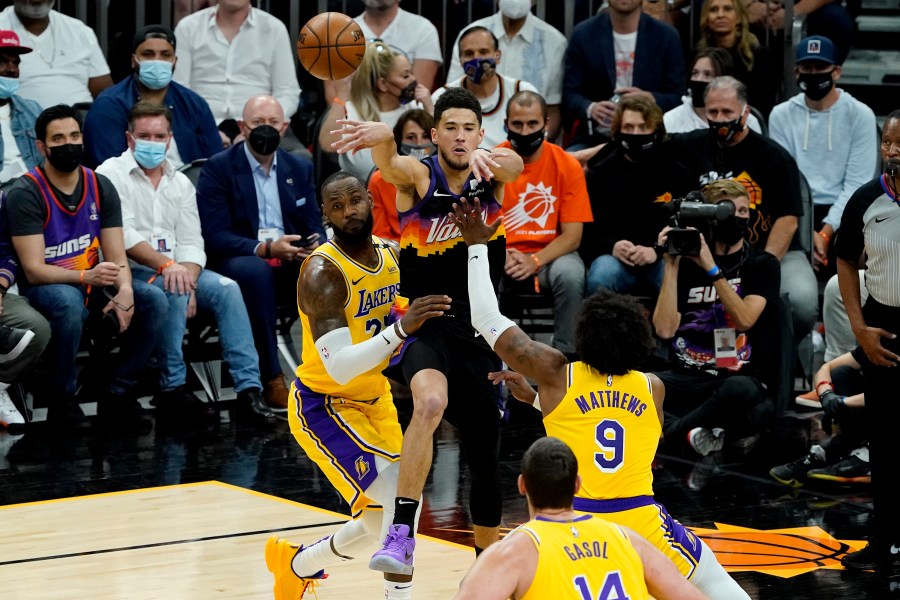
x=71, y=238
x=433, y=255
x=585, y=558
x=610, y=422
x=370, y=294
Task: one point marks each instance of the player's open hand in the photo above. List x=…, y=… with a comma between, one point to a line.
x=472, y=222
x=870, y=341
x=422, y=309
x=517, y=384
x=482, y=162
x=357, y=135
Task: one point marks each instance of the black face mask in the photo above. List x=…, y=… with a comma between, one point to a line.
x=526, y=144
x=65, y=158
x=815, y=85
x=697, y=88
x=408, y=94
x=264, y=139
x=731, y=230
x=354, y=239
x=726, y=131
x=636, y=145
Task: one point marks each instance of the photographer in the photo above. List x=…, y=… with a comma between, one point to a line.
x=708, y=306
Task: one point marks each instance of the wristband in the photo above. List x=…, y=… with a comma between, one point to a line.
x=398, y=329
x=81, y=277
x=824, y=236
x=823, y=382
x=268, y=249
x=160, y=270
x=714, y=271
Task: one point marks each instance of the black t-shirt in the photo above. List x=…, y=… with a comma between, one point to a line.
x=27, y=211
x=629, y=200
x=766, y=169
x=750, y=272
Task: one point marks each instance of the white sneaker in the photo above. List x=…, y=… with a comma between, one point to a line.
x=7, y=441
x=9, y=414
x=705, y=441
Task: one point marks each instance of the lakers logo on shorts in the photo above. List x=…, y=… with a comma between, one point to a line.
x=362, y=467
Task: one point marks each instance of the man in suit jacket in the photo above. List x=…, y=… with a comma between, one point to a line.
x=260, y=219
x=621, y=52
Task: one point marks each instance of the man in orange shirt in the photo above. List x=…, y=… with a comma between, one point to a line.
x=543, y=213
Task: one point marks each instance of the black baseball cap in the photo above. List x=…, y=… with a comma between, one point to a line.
x=153, y=32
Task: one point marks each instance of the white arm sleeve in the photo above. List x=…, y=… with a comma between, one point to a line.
x=345, y=360
x=486, y=317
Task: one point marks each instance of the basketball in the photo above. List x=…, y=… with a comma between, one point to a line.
x=331, y=46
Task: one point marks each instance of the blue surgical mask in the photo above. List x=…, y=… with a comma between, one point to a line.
x=149, y=154
x=475, y=69
x=8, y=87
x=155, y=74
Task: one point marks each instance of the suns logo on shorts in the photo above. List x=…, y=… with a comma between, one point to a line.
x=362, y=467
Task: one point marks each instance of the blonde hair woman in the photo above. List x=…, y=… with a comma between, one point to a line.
x=726, y=24
x=381, y=89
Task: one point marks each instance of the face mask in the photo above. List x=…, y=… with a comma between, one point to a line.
x=155, y=74
x=149, y=154
x=636, y=145
x=697, y=88
x=731, y=230
x=475, y=68
x=416, y=151
x=408, y=94
x=815, y=85
x=526, y=144
x=264, y=139
x=33, y=11
x=726, y=131
x=8, y=87
x=65, y=158
x=515, y=9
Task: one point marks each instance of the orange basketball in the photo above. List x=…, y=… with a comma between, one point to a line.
x=331, y=45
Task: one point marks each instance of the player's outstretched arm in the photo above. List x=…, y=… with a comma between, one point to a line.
x=322, y=293
x=664, y=580
x=357, y=135
x=503, y=571
x=537, y=361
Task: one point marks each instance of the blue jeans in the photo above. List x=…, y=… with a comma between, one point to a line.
x=63, y=306
x=221, y=296
x=261, y=286
x=609, y=272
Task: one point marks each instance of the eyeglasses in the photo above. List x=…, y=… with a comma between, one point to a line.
x=110, y=293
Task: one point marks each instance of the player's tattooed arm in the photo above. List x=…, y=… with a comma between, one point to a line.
x=322, y=293
x=540, y=362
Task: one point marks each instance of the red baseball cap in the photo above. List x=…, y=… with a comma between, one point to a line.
x=9, y=42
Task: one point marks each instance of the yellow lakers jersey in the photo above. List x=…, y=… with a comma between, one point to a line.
x=585, y=558
x=370, y=294
x=611, y=424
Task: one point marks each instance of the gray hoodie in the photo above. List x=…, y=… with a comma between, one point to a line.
x=835, y=149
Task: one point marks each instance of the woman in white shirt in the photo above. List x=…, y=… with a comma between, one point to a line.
x=382, y=89
x=708, y=64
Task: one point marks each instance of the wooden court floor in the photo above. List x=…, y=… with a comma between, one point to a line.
x=194, y=541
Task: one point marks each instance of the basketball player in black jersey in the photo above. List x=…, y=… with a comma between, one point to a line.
x=446, y=359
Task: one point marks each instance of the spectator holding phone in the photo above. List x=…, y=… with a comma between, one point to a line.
x=163, y=241
x=61, y=217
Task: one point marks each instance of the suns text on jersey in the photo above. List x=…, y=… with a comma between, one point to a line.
x=611, y=399
x=369, y=300
x=68, y=247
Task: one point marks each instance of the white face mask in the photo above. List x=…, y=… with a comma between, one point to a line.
x=515, y=9
x=33, y=11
